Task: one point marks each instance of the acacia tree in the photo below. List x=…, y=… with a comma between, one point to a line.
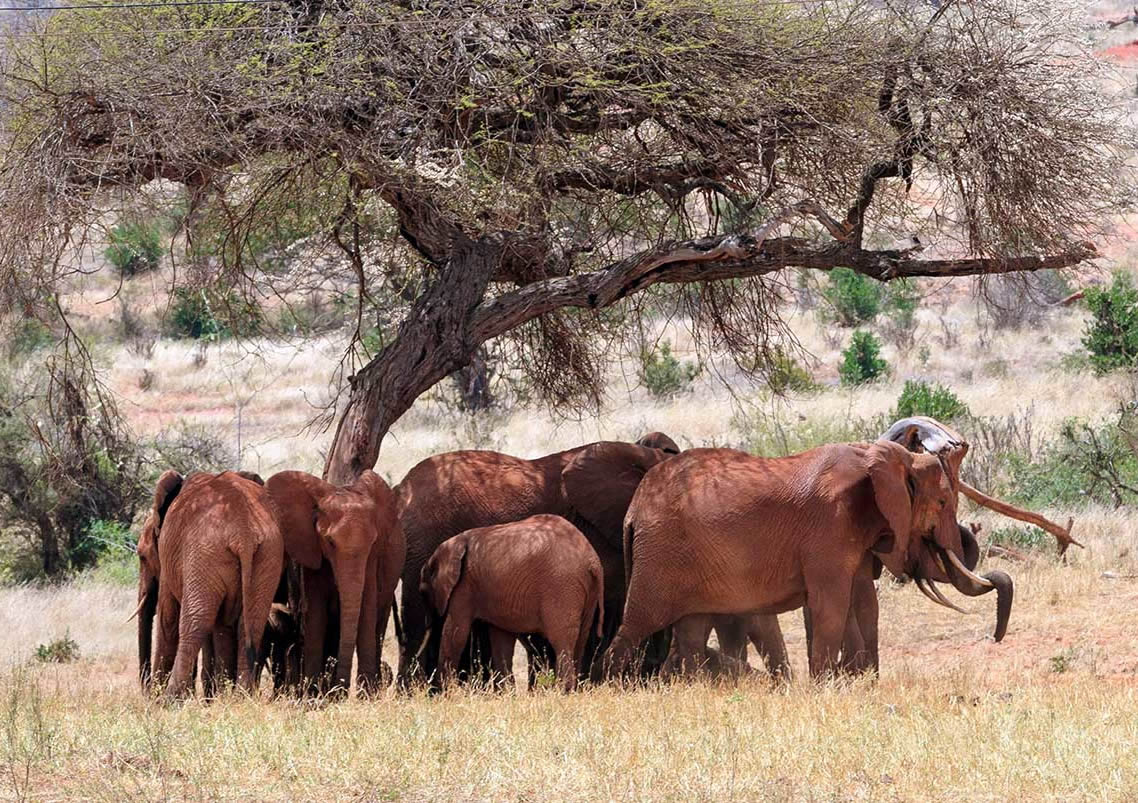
x=523, y=170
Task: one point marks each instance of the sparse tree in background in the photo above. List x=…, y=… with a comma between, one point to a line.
x=513, y=170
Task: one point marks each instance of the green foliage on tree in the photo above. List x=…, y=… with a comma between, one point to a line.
x=936, y=401
x=861, y=360
x=1111, y=333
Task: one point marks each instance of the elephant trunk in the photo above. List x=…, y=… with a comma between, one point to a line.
x=147, y=606
x=998, y=581
x=351, y=588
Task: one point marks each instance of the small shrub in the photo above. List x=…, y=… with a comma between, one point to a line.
x=852, y=297
x=60, y=651
x=1111, y=334
x=900, y=309
x=936, y=401
x=770, y=435
x=211, y=313
x=135, y=247
x=191, y=447
x=1064, y=661
x=1022, y=538
x=862, y=361
x=1021, y=300
x=786, y=375
x=663, y=374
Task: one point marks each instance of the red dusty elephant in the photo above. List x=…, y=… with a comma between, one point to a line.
x=716, y=531
x=210, y=557
x=449, y=493
x=350, y=547
x=538, y=575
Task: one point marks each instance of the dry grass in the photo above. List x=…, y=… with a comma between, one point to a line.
x=1047, y=714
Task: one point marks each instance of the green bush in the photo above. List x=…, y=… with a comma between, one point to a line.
x=852, y=297
x=1087, y=463
x=135, y=247
x=1111, y=334
x=786, y=375
x=663, y=374
x=60, y=651
x=102, y=539
x=1022, y=538
x=936, y=401
x=862, y=361
x=211, y=313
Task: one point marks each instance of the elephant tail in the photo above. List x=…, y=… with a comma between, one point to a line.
x=599, y=573
x=398, y=624
x=246, y=561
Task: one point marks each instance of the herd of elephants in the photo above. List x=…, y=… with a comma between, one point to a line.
x=611, y=560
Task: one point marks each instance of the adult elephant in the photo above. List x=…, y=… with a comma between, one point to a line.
x=449, y=493
x=349, y=546
x=716, y=531
x=210, y=556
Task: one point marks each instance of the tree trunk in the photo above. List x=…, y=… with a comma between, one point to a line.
x=433, y=341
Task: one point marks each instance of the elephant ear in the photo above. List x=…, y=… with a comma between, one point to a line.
x=888, y=466
x=599, y=483
x=165, y=492
x=251, y=476
x=296, y=496
x=449, y=561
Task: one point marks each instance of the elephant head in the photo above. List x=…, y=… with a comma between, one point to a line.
x=658, y=440
x=912, y=493
x=440, y=575
x=951, y=558
x=600, y=480
x=167, y=489
x=320, y=521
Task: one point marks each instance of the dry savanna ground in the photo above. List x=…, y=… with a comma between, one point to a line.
x=1050, y=713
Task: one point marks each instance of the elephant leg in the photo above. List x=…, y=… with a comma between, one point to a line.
x=864, y=613
x=256, y=603
x=853, y=647
x=416, y=660
x=688, y=652
x=224, y=642
x=166, y=640
x=766, y=635
x=731, y=633
x=199, y=613
x=312, y=662
x=828, y=599
x=474, y=666
x=564, y=642
x=540, y=656
x=502, y=657
x=367, y=650
x=456, y=632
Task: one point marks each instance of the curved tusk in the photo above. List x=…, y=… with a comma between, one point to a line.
x=960, y=567
x=423, y=645
x=137, y=610
x=945, y=601
x=921, y=585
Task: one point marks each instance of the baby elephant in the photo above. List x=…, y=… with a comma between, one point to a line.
x=537, y=575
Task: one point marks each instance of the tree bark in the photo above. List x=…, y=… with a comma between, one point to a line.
x=433, y=342
x=453, y=317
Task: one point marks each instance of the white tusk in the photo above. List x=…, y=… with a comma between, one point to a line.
x=137, y=610
x=975, y=578
x=944, y=600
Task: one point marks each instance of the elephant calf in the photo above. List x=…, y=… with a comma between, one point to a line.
x=537, y=575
